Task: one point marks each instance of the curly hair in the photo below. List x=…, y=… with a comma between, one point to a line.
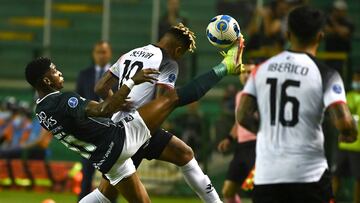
x=184, y=35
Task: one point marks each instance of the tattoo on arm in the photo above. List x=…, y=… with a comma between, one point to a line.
x=246, y=114
x=161, y=90
x=342, y=119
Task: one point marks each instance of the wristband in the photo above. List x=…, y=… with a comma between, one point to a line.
x=129, y=83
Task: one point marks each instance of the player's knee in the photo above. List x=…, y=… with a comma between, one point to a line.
x=186, y=154
x=108, y=190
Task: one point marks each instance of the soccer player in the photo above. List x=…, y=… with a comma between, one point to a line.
x=291, y=91
x=81, y=125
x=244, y=156
x=162, y=145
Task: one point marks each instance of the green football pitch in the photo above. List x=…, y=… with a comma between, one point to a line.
x=7, y=196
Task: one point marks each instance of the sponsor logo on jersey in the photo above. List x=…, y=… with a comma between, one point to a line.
x=337, y=88
x=73, y=102
x=172, y=77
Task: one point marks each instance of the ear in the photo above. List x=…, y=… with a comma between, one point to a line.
x=178, y=51
x=320, y=36
x=46, y=81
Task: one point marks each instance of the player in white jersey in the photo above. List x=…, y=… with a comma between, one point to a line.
x=291, y=91
x=163, y=145
x=83, y=127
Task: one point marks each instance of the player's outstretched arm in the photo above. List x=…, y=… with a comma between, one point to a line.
x=104, y=85
x=341, y=117
x=117, y=101
x=246, y=113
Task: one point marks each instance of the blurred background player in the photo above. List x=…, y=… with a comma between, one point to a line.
x=348, y=155
x=244, y=155
x=85, y=84
x=339, y=32
x=172, y=17
x=265, y=28
x=291, y=91
x=163, y=146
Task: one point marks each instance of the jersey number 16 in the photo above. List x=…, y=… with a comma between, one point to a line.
x=284, y=99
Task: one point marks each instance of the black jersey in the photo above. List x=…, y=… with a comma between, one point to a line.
x=98, y=139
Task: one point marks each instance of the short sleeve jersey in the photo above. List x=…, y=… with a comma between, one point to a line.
x=149, y=56
x=97, y=139
x=292, y=91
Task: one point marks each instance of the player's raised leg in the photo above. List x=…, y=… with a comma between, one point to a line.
x=156, y=111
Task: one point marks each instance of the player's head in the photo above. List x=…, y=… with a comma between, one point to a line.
x=177, y=40
x=305, y=25
x=244, y=76
x=102, y=53
x=42, y=74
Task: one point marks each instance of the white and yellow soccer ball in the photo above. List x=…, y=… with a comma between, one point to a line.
x=223, y=31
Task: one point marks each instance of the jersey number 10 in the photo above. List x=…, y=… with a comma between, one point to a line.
x=284, y=99
x=129, y=66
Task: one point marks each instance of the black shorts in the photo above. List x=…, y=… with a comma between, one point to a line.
x=153, y=148
x=242, y=162
x=347, y=164
x=316, y=192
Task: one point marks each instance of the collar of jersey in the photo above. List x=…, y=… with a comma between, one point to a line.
x=299, y=52
x=40, y=100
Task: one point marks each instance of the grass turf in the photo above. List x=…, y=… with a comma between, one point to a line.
x=10, y=196
x=37, y=197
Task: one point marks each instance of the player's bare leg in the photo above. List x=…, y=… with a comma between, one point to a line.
x=177, y=152
x=107, y=189
x=132, y=189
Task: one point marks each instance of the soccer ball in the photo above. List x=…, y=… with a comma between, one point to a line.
x=222, y=31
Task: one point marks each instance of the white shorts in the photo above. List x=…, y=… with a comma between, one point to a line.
x=136, y=134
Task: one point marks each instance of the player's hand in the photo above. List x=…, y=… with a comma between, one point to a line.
x=145, y=75
x=224, y=145
x=233, y=57
x=127, y=106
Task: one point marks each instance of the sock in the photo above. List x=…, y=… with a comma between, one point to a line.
x=196, y=88
x=199, y=182
x=95, y=197
x=235, y=199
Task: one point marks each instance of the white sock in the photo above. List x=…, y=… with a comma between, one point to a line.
x=95, y=197
x=199, y=182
